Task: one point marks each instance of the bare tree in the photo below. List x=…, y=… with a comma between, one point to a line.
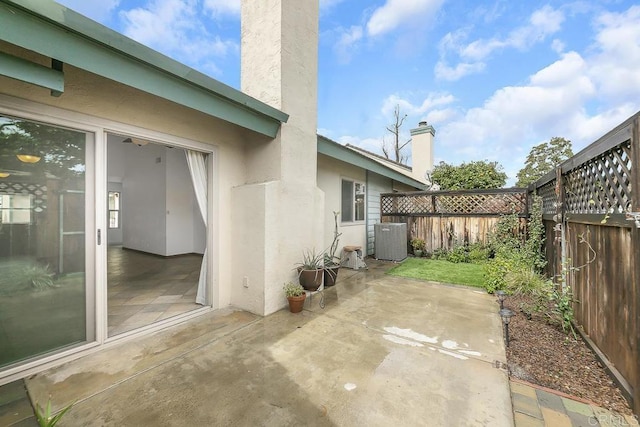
x=394, y=148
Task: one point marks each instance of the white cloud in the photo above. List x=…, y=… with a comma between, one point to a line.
x=553, y=96
x=222, y=7
x=552, y=103
x=435, y=117
x=347, y=42
x=96, y=10
x=563, y=72
x=402, y=13
x=445, y=72
x=175, y=28
x=232, y=7
x=406, y=107
x=615, y=67
x=557, y=46
x=373, y=145
x=542, y=23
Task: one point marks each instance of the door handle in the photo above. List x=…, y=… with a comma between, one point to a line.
x=99, y=237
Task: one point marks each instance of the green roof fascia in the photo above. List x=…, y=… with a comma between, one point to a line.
x=340, y=152
x=55, y=31
x=27, y=71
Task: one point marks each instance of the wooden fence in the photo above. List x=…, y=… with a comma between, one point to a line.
x=445, y=219
x=591, y=206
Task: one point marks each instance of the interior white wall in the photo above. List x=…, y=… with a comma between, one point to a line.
x=144, y=199
x=180, y=196
x=155, y=182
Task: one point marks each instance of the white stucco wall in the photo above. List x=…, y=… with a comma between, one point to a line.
x=330, y=174
x=279, y=67
x=95, y=96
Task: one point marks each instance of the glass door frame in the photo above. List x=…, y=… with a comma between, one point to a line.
x=163, y=139
x=96, y=220
x=38, y=113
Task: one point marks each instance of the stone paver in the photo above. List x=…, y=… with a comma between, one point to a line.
x=554, y=418
x=560, y=411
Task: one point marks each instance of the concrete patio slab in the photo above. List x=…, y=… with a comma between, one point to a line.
x=384, y=351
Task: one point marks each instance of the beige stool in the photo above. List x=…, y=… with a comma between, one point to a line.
x=352, y=257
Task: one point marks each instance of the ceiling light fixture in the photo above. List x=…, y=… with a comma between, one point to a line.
x=136, y=141
x=4, y=174
x=28, y=158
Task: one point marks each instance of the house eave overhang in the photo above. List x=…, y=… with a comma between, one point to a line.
x=340, y=152
x=60, y=33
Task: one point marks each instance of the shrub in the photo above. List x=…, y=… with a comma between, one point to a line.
x=562, y=312
x=417, y=244
x=440, y=254
x=478, y=253
x=458, y=254
x=495, y=272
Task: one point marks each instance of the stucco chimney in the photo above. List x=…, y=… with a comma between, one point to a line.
x=279, y=66
x=422, y=150
x=278, y=212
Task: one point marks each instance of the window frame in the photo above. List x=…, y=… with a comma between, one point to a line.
x=354, y=201
x=118, y=210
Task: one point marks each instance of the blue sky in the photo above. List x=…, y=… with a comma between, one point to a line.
x=493, y=77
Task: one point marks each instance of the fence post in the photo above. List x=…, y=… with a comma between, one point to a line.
x=635, y=253
x=559, y=227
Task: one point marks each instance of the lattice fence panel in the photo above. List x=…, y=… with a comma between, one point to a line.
x=601, y=185
x=549, y=198
x=469, y=204
x=39, y=192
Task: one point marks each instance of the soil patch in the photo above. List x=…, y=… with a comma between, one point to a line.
x=541, y=353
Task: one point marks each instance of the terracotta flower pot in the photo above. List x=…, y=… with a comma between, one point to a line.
x=311, y=279
x=296, y=303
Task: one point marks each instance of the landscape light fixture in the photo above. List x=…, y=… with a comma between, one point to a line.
x=28, y=158
x=501, y=296
x=506, y=316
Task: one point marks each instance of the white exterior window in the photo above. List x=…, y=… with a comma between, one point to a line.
x=353, y=201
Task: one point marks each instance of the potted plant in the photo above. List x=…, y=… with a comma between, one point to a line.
x=295, y=295
x=310, y=270
x=418, y=246
x=331, y=261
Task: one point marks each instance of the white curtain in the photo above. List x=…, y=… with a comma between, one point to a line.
x=197, y=162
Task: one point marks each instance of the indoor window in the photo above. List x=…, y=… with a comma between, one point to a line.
x=353, y=201
x=114, y=209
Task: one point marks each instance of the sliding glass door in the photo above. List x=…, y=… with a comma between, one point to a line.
x=46, y=248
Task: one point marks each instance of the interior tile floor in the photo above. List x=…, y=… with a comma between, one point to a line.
x=145, y=288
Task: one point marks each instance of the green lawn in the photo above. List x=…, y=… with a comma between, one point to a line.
x=440, y=271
